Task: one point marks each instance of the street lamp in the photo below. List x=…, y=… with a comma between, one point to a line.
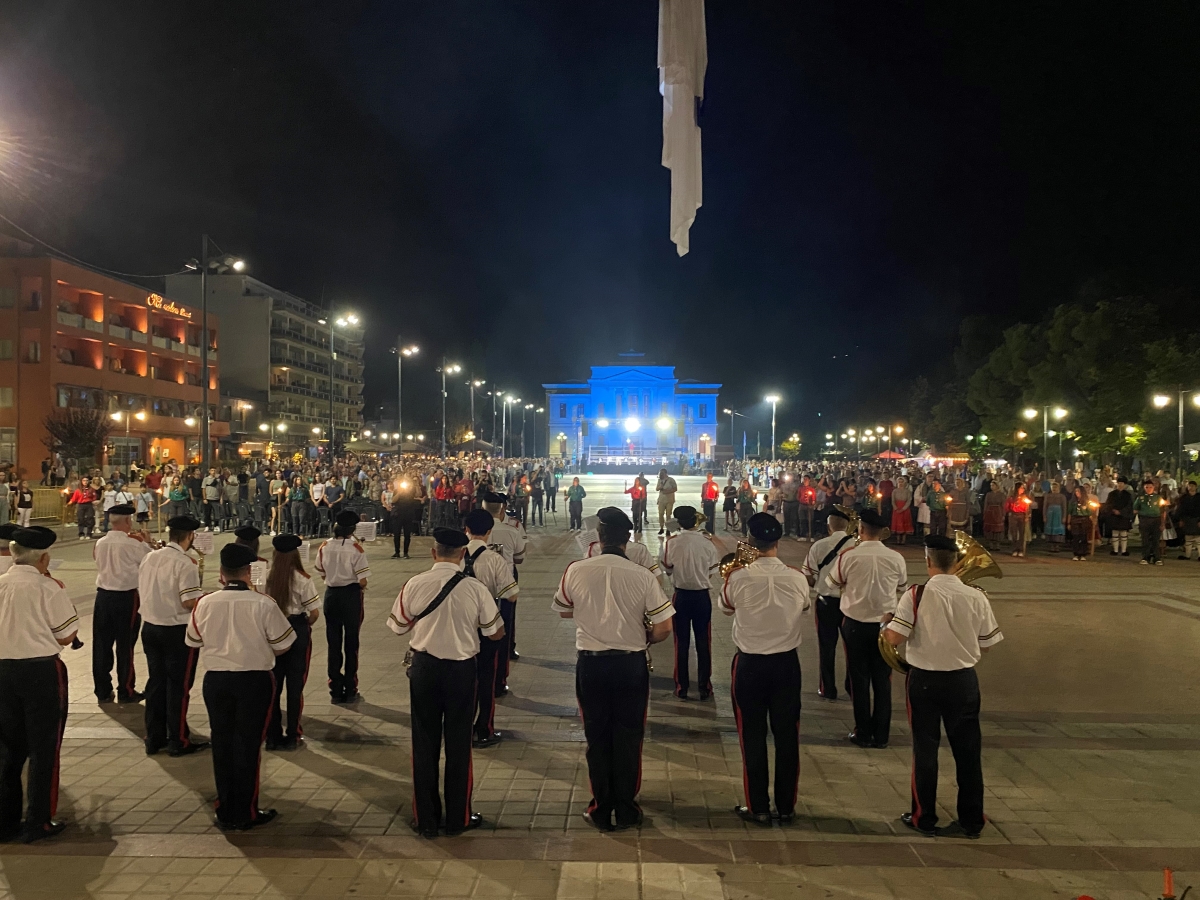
x=508, y=399
x=540, y=409
x=1059, y=413
x=773, y=399
x=471, y=385
x=523, y=408
x=401, y=351
x=345, y=321
x=453, y=369
x=1161, y=401
x=731, y=413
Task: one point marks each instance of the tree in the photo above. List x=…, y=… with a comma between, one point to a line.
x=78, y=434
x=789, y=449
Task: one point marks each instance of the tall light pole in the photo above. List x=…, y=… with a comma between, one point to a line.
x=401, y=351
x=471, y=385
x=1059, y=413
x=1161, y=401
x=773, y=399
x=527, y=406
x=540, y=409
x=731, y=413
x=508, y=399
x=339, y=322
x=454, y=369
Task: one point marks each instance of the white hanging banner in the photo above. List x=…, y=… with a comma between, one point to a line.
x=682, y=61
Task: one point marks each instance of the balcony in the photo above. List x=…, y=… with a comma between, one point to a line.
x=159, y=342
x=177, y=346
x=74, y=320
x=138, y=337
x=289, y=334
x=301, y=391
x=193, y=350
x=277, y=360
x=97, y=327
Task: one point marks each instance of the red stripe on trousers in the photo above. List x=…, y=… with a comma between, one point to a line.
x=258, y=763
x=131, y=675
x=62, y=726
x=737, y=716
x=913, y=769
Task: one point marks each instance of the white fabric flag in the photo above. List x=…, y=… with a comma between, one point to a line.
x=682, y=59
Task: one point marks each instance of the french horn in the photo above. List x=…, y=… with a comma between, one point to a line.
x=974, y=562
x=852, y=517
x=742, y=556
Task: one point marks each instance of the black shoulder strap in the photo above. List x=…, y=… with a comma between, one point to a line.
x=918, y=592
x=440, y=598
x=469, y=562
x=832, y=555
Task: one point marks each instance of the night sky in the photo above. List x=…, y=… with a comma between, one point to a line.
x=484, y=176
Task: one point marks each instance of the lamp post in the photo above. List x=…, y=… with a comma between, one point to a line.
x=1161, y=401
x=1059, y=413
x=527, y=406
x=453, y=369
x=471, y=385
x=340, y=322
x=540, y=409
x=773, y=399
x=508, y=398
x=731, y=413
x=401, y=351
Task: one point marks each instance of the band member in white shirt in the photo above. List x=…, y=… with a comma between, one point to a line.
x=37, y=619
x=168, y=588
x=690, y=558
x=946, y=627
x=871, y=578
x=510, y=541
x=342, y=562
x=115, y=618
x=766, y=599
x=818, y=566
x=634, y=552
x=7, y=530
x=444, y=611
x=294, y=592
x=239, y=632
x=619, y=609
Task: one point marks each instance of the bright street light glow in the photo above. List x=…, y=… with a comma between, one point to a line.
x=663, y=424
x=316, y=430
x=140, y=416
x=983, y=437
x=899, y=429
x=1129, y=429
x=850, y=431
x=366, y=432
x=1051, y=433
x=771, y=398
x=420, y=437
x=1021, y=435
x=1059, y=412
x=1030, y=413
x=189, y=421
x=728, y=412
x=970, y=437
x=341, y=323
x=1161, y=400
x=264, y=427
x=632, y=424
x=602, y=423
x=116, y=417
x=282, y=426
x=879, y=429
x=353, y=319
x=829, y=437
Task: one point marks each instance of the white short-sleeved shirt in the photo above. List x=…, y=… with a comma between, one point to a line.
x=452, y=630
x=509, y=541
x=947, y=629
x=492, y=571
x=238, y=630
x=871, y=577
x=634, y=552
x=812, y=563
x=303, y=596
x=767, y=600
x=690, y=558
x=35, y=611
x=118, y=557
x=166, y=578
x=342, y=561
x=610, y=598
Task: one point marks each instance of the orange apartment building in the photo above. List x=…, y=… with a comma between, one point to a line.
x=71, y=337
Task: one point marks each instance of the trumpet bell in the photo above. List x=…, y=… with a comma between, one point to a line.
x=742, y=556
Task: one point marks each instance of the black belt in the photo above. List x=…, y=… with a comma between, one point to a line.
x=609, y=652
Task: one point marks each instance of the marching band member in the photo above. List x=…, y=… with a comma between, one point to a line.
x=37, y=619
x=293, y=591
x=871, y=578
x=342, y=562
x=946, y=626
x=240, y=633
x=635, y=552
x=765, y=599
x=496, y=575
x=168, y=588
x=247, y=536
x=7, y=530
x=445, y=612
x=509, y=540
x=690, y=558
x=115, y=619
x=818, y=566
x=619, y=609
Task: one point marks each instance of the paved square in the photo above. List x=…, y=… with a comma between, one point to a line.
x=1091, y=720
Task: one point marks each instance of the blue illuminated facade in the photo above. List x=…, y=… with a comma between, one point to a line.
x=632, y=412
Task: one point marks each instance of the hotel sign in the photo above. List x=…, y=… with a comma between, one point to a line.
x=156, y=301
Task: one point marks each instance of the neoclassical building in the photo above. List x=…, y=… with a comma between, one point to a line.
x=632, y=412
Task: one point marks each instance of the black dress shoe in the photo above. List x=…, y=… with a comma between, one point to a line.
x=955, y=829
x=636, y=823
x=598, y=824
x=429, y=833
x=502, y=691
x=271, y=746
x=705, y=695
x=907, y=820
x=878, y=746
x=490, y=741
x=291, y=743
x=107, y=699
x=189, y=749
x=473, y=821
x=786, y=818
x=352, y=698
x=135, y=697
x=514, y=655
x=395, y=556
x=40, y=832
x=746, y=815
x=263, y=816
x=853, y=738
x=152, y=749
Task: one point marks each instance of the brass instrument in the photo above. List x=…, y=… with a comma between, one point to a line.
x=974, y=562
x=850, y=514
x=742, y=556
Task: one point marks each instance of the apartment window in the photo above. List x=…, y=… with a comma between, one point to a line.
x=562, y=410
x=703, y=411
x=6, y=397
x=124, y=451
x=35, y=352
x=6, y=349
x=8, y=445
x=8, y=297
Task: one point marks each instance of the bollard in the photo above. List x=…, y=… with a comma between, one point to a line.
x=1168, y=885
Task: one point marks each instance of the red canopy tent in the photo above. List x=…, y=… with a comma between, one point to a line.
x=890, y=454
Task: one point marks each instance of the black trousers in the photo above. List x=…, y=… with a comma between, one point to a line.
x=85, y=518
x=115, y=623
x=637, y=512
x=1151, y=530
x=487, y=667
x=33, y=714
x=829, y=622
x=613, y=693
x=172, y=671
x=710, y=515
x=441, y=695
x=507, y=644
x=552, y=500
x=575, y=508
x=868, y=672
x=404, y=527
x=291, y=672
x=239, y=704
x=693, y=614
x=343, y=619
x=537, y=514
x=766, y=689
x=951, y=699
x=791, y=517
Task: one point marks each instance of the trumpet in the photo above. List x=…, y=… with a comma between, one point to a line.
x=739, y=558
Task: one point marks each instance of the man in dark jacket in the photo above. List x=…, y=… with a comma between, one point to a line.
x=1187, y=519
x=1120, y=516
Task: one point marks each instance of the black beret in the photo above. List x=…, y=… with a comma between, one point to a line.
x=347, y=518
x=614, y=517
x=285, y=543
x=1146, y=482
x=182, y=523
x=940, y=542
x=235, y=556
x=247, y=533
x=765, y=527
x=479, y=521
x=7, y=530
x=450, y=537
x=493, y=497
x=36, y=538
x=685, y=516
x=122, y=509
x=872, y=518
x=1122, y=479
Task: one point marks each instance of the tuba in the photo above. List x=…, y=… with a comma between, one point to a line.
x=742, y=556
x=974, y=562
